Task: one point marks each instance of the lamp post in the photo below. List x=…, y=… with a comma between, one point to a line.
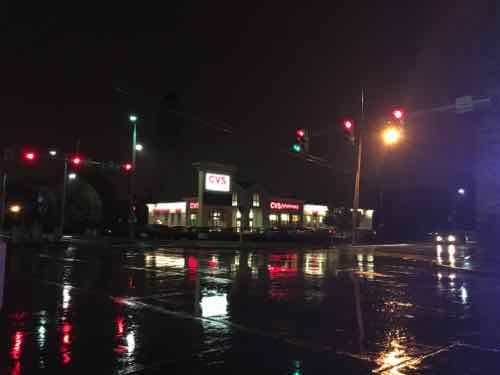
x=63, y=197
x=357, y=180
x=133, y=120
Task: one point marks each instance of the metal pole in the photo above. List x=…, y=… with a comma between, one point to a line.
x=359, y=152
x=132, y=180
x=3, y=200
x=63, y=197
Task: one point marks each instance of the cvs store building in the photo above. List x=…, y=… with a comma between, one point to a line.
x=223, y=203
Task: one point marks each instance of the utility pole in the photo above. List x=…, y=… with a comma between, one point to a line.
x=3, y=200
x=357, y=180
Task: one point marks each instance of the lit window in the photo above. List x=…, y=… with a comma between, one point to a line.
x=285, y=218
x=256, y=200
x=235, y=199
x=238, y=222
x=192, y=219
x=308, y=219
x=250, y=219
x=273, y=218
x=295, y=218
x=216, y=217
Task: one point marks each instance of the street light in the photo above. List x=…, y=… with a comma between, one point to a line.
x=15, y=208
x=461, y=191
x=72, y=176
x=391, y=135
x=133, y=118
x=139, y=147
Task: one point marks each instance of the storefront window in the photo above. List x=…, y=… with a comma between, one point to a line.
x=192, y=219
x=256, y=200
x=285, y=218
x=238, y=221
x=295, y=218
x=235, y=199
x=273, y=219
x=308, y=219
x=216, y=218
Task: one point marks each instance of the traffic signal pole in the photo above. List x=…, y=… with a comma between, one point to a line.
x=132, y=216
x=357, y=180
x=63, y=197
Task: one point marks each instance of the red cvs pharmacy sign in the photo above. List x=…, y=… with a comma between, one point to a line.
x=284, y=206
x=217, y=182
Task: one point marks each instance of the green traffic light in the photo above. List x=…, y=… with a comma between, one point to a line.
x=296, y=147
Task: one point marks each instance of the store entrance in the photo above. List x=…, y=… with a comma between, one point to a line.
x=216, y=218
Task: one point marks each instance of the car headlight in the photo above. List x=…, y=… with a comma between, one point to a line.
x=451, y=238
x=439, y=239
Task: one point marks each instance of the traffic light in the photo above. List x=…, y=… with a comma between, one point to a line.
x=127, y=167
x=398, y=115
x=76, y=161
x=302, y=143
x=30, y=156
x=348, y=130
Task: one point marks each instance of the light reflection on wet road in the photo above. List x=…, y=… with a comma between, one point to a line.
x=77, y=309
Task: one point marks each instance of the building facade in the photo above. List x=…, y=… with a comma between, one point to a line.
x=224, y=203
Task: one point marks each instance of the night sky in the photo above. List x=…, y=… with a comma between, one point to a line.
x=261, y=71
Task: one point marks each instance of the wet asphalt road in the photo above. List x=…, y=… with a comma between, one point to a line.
x=416, y=309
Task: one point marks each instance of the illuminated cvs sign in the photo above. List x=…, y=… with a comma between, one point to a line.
x=217, y=182
x=284, y=206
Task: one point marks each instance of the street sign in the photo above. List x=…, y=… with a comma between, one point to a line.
x=464, y=104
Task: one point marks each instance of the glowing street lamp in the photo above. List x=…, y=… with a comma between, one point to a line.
x=15, y=208
x=391, y=135
x=461, y=191
x=139, y=147
x=72, y=176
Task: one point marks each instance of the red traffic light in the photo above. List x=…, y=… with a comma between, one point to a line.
x=348, y=125
x=398, y=114
x=127, y=167
x=29, y=156
x=76, y=160
x=300, y=133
